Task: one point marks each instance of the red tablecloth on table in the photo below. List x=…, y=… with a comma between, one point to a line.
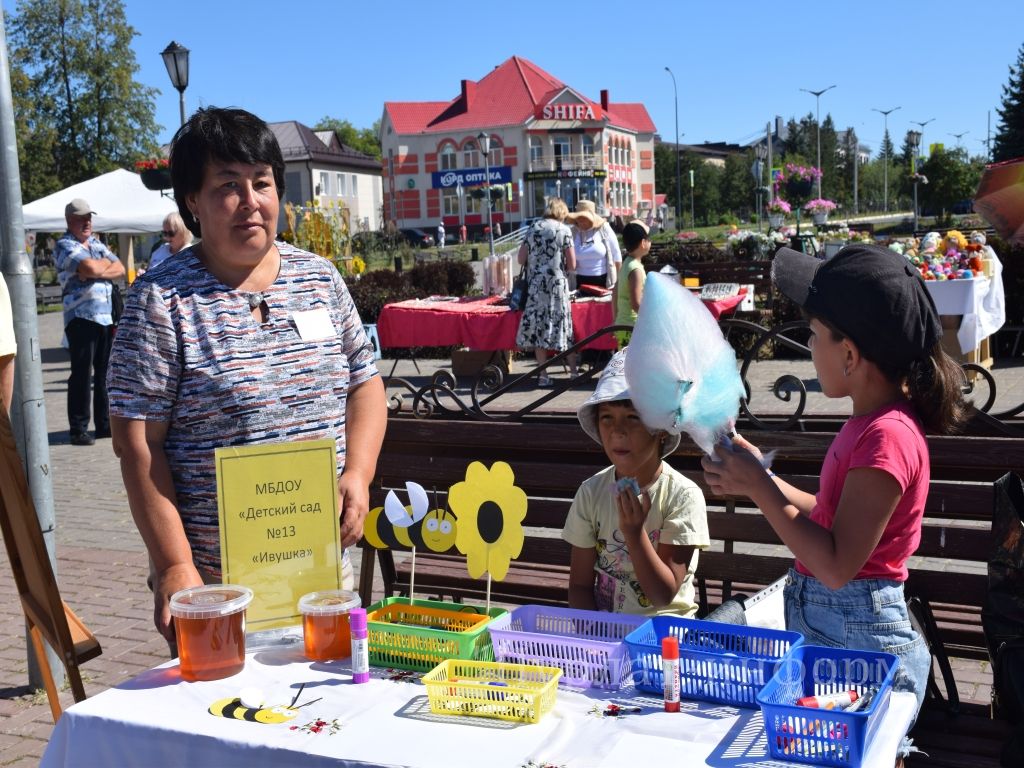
x=485, y=324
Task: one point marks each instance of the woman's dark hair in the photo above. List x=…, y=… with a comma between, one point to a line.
x=933, y=383
x=228, y=135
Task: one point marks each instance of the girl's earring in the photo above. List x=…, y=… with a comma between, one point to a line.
x=846, y=371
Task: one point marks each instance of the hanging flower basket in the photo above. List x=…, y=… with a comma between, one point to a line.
x=819, y=218
x=776, y=219
x=799, y=189
x=156, y=178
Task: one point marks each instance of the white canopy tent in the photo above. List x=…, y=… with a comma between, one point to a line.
x=121, y=202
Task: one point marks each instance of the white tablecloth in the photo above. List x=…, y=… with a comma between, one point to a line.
x=156, y=719
x=981, y=303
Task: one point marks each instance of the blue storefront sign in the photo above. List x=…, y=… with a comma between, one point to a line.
x=470, y=177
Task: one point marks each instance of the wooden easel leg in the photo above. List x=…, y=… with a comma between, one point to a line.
x=44, y=667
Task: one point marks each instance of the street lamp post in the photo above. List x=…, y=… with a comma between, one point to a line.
x=959, y=136
x=885, y=172
x=914, y=141
x=485, y=145
x=817, y=119
x=921, y=126
x=458, y=193
x=693, y=219
x=176, y=60
x=761, y=150
x=679, y=186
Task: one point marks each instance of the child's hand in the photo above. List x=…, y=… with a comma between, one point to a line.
x=632, y=512
x=742, y=442
x=736, y=471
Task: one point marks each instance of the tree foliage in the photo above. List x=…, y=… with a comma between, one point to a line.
x=79, y=111
x=951, y=179
x=1009, y=138
x=365, y=140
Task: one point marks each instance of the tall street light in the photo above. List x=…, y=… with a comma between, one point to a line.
x=485, y=145
x=761, y=152
x=176, y=61
x=959, y=136
x=921, y=126
x=913, y=142
x=885, y=150
x=679, y=194
x=817, y=118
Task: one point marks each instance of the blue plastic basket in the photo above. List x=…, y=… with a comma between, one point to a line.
x=826, y=736
x=586, y=645
x=723, y=663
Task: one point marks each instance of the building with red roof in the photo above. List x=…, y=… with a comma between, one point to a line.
x=546, y=140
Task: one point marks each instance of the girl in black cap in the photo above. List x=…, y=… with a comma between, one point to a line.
x=875, y=339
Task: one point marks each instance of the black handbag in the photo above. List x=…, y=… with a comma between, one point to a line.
x=116, y=302
x=517, y=298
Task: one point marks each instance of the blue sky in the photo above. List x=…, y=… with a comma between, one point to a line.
x=737, y=64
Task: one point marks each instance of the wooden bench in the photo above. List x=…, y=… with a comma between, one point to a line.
x=551, y=456
x=48, y=295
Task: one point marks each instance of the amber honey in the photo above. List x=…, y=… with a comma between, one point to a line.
x=325, y=627
x=209, y=623
x=212, y=648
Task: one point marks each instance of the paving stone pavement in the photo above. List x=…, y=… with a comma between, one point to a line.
x=102, y=564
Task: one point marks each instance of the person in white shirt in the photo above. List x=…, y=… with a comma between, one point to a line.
x=176, y=237
x=598, y=256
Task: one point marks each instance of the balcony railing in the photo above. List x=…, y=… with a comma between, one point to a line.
x=566, y=162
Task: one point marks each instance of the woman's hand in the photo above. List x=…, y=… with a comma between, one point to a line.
x=353, y=505
x=735, y=471
x=165, y=584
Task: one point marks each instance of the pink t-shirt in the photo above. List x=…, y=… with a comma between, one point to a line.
x=890, y=439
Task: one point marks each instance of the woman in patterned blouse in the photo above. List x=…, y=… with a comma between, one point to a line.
x=238, y=340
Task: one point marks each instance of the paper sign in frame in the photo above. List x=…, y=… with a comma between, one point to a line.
x=236, y=560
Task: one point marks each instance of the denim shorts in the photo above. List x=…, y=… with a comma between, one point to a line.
x=865, y=614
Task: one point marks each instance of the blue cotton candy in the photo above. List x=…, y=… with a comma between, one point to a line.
x=681, y=373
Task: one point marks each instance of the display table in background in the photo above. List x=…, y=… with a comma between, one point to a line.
x=487, y=324
x=971, y=311
x=156, y=719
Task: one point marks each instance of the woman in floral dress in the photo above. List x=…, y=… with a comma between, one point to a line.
x=547, y=318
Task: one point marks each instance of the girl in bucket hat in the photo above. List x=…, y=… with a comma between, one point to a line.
x=875, y=338
x=636, y=528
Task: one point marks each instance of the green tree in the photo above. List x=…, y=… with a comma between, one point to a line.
x=1009, y=138
x=737, y=185
x=365, y=140
x=79, y=111
x=830, y=181
x=951, y=179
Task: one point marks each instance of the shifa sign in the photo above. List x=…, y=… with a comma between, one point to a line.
x=568, y=112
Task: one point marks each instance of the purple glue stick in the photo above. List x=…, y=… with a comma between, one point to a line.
x=360, y=650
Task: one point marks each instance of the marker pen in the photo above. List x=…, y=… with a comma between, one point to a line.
x=829, y=701
x=670, y=672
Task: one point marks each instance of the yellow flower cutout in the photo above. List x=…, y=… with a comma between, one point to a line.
x=490, y=509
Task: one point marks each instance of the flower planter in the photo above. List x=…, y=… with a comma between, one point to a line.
x=156, y=178
x=798, y=189
x=819, y=218
x=775, y=219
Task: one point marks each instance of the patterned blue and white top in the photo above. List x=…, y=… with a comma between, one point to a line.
x=189, y=352
x=87, y=299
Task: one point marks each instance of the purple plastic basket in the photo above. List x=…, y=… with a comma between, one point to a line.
x=586, y=645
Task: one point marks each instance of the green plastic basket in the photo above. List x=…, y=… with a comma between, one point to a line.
x=421, y=635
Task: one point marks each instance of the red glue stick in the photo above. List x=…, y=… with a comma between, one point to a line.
x=829, y=701
x=670, y=672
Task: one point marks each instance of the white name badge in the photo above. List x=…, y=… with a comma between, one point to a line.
x=314, y=324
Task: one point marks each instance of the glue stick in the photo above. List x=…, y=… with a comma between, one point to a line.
x=360, y=650
x=670, y=672
x=829, y=701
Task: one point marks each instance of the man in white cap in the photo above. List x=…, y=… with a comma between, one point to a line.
x=86, y=269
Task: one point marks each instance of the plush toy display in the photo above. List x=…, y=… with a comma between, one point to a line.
x=943, y=258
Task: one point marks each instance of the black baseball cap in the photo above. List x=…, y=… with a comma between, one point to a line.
x=871, y=294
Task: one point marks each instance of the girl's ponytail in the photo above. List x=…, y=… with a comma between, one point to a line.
x=935, y=387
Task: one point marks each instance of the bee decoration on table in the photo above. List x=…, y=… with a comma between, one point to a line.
x=395, y=525
x=249, y=706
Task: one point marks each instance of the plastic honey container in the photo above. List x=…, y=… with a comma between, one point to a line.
x=209, y=622
x=325, y=627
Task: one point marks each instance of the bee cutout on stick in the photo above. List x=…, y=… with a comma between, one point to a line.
x=248, y=705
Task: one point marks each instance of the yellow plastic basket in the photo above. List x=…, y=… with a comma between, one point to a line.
x=519, y=692
x=419, y=636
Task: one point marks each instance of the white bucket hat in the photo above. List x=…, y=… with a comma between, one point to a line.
x=611, y=387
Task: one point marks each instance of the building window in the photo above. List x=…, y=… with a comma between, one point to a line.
x=325, y=183
x=563, y=151
x=587, y=145
x=470, y=155
x=495, y=156
x=449, y=202
x=447, y=160
x=340, y=179
x=536, y=149
x=355, y=185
